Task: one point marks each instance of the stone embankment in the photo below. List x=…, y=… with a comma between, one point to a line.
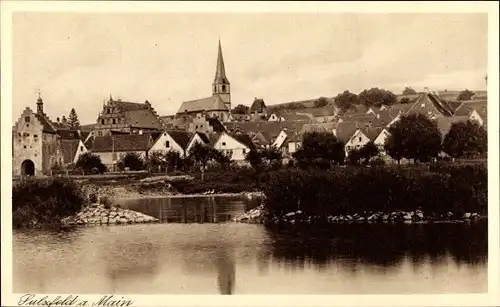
x=97, y=214
x=260, y=215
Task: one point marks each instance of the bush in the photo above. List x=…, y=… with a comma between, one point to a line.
x=37, y=203
x=355, y=190
x=105, y=201
x=90, y=163
x=132, y=161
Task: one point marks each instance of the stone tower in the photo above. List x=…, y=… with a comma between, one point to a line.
x=221, y=85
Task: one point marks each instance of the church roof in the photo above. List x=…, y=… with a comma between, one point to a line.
x=212, y=103
x=220, y=70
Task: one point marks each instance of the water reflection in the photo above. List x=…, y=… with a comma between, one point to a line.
x=213, y=209
x=195, y=255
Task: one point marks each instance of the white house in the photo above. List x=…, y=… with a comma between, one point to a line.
x=202, y=138
x=235, y=144
x=360, y=138
x=111, y=147
x=274, y=118
x=280, y=139
x=480, y=118
x=172, y=140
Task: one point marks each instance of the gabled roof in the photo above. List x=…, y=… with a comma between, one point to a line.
x=371, y=132
x=345, y=130
x=67, y=134
x=444, y=123
x=269, y=130
x=212, y=103
x=182, y=138
x=143, y=119
x=69, y=149
x=288, y=116
x=121, y=143
x=126, y=106
x=243, y=138
x=466, y=107
x=428, y=103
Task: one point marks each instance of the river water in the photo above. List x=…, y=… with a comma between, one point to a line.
x=194, y=252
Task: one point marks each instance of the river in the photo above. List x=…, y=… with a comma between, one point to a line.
x=193, y=251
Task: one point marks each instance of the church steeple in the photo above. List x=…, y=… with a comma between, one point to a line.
x=221, y=85
x=220, y=71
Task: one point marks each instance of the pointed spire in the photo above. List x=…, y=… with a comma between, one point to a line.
x=39, y=104
x=220, y=72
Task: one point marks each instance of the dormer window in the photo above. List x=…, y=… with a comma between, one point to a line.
x=109, y=110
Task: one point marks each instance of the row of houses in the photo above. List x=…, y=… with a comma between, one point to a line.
x=39, y=143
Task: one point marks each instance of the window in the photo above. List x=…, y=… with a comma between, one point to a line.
x=359, y=139
x=27, y=119
x=102, y=121
x=167, y=144
x=223, y=88
x=196, y=126
x=81, y=148
x=109, y=111
x=223, y=143
x=24, y=146
x=244, y=151
x=114, y=121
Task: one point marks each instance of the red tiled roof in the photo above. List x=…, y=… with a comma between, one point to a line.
x=45, y=121
x=143, y=118
x=203, y=104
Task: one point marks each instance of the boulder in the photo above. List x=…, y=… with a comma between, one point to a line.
x=290, y=214
x=467, y=215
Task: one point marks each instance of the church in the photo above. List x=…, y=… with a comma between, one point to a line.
x=219, y=104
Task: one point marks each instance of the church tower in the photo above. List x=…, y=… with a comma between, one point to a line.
x=221, y=86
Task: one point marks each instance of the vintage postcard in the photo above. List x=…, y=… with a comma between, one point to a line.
x=296, y=153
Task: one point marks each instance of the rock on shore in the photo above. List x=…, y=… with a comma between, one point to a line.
x=97, y=214
x=260, y=215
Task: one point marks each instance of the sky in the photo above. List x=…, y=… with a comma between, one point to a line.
x=77, y=60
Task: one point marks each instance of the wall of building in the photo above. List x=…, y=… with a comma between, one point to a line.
x=228, y=144
x=196, y=139
x=107, y=158
x=357, y=141
x=80, y=151
x=161, y=144
x=52, y=153
x=27, y=143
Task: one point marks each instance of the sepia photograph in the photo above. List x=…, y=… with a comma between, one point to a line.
x=260, y=153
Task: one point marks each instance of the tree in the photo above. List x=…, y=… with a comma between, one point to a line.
x=131, y=160
x=223, y=158
x=255, y=159
x=414, y=136
x=405, y=100
x=465, y=140
x=368, y=151
x=346, y=101
x=240, y=109
x=465, y=95
x=296, y=105
x=201, y=154
x=409, y=91
x=321, y=102
x=320, y=149
x=173, y=159
x=156, y=161
x=377, y=97
x=90, y=163
x=73, y=121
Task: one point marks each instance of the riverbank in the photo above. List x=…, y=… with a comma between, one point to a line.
x=97, y=214
x=260, y=215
